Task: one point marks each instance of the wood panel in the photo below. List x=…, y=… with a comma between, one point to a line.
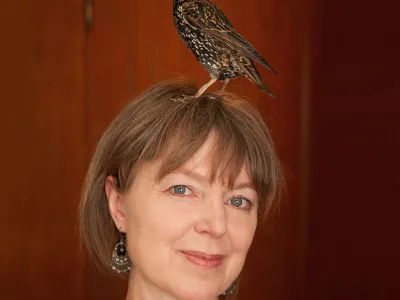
x=41, y=153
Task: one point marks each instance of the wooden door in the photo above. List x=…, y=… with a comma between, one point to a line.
x=42, y=148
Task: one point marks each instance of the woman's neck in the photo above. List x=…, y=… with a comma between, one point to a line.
x=140, y=288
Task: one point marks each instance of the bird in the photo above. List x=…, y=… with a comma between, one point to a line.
x=218, y=47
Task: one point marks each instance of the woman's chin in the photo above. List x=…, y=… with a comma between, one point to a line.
x=197, y=293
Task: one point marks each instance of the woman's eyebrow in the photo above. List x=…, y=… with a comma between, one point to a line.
x=243, y=185
x=193, y=175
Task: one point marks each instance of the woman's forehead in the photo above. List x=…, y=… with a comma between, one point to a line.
x=203, y=173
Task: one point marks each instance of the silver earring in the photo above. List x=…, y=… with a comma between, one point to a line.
x=231, y=289
x=120, y=261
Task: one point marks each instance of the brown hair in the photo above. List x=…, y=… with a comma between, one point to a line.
x=167, y=122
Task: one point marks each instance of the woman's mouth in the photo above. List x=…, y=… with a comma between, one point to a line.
x=204, y=260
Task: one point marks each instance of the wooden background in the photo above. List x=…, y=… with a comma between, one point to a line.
x=335, y=122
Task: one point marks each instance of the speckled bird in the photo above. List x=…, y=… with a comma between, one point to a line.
x=222, y=51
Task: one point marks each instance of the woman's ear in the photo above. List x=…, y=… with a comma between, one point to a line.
x=115, y=203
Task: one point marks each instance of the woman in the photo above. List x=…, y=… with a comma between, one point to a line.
x=174, y=192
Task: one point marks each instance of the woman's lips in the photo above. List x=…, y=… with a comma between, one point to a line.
x=204, y=259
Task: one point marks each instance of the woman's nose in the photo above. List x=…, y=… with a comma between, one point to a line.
x=212, y=218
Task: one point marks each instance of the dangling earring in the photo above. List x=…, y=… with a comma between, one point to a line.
x=120, y=261
x=231, y=289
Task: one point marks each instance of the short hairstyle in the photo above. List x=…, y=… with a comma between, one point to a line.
x=167, y=122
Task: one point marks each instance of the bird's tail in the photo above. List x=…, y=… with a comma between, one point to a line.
x=251, y=73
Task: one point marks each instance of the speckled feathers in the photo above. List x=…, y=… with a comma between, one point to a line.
x=214, y=42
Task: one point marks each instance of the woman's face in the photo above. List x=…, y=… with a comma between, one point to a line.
x=188, y=237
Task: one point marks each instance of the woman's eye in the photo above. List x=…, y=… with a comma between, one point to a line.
x=181, y=190
x=240, y=202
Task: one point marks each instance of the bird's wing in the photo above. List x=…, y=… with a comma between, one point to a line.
x=250, y=71
x=205, y=16
x=222, y=15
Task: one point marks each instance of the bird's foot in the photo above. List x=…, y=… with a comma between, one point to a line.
x=205, y=87
x=226, y=81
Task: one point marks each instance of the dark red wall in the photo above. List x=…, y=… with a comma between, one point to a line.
x=354, y=201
